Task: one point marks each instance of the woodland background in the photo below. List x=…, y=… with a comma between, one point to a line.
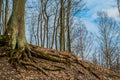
x=50, y=25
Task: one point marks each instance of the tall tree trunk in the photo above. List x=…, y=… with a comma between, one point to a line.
x=56, y=33
x=68, y=26
x=44, y=36
x=1, y=3
x=16, y=26
x=61, y=25
x=53, y=35
x=41, y=35
x=47, y=32
x=6, y=14
x=38, y=29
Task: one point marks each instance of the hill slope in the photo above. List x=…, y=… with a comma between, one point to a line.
x=73, y=69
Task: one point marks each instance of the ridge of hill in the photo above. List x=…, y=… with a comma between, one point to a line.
x=73, y=69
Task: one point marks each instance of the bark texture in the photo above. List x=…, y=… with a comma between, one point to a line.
x=16, y=26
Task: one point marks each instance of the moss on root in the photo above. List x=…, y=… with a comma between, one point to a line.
x=29, y=56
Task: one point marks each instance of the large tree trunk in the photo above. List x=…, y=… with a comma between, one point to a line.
x=16, y=26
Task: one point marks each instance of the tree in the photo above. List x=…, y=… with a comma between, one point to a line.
x=56, y=21
x=108, y=39
x=68, y=25
x=15, y=44
x=1, y=16
x=62, y=47
x=6, y=14
x=117, y=65
x=33, y=35
x=48, y=28
x=16, y=26
x=83, y=41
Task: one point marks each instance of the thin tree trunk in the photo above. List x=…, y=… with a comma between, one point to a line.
x=61, y=26
x=41, y=35
x=6, y=14
x=47, y=31
x=1, y=4
x=38, y=29
x=56, y=33
x=68, y=26
x=53, y=35
x=63, y=30
x=44, y=36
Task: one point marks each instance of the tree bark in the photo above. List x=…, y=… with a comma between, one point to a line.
x=61, y=26
x=1, y=3
x=68, y=26
x=6, y=14
x=16, y=26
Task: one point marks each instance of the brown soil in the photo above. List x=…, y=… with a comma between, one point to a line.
x=76, y=69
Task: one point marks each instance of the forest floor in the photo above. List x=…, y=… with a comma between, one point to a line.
x=77, y=69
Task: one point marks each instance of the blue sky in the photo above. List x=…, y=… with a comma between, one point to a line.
x=95, y=6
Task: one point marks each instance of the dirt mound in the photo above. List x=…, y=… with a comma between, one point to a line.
x=73, y=69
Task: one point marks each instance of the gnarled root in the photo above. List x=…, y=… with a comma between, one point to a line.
x=30, y=57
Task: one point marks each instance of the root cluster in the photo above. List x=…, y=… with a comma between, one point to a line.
x=30, y=57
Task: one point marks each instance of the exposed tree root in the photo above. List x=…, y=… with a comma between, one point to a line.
x=29, y=60
x=29, y=57
x=34, y=65
x=48, y=57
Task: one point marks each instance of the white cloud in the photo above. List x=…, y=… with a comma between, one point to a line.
x=91, y=26
x=113, y=12
x=95, y=6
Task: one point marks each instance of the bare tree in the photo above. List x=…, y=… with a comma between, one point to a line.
x=56, y=9
x=83, y=41
x=108, y=39
x=33, y=31
x=54, y=33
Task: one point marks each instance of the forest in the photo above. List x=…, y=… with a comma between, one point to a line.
x=50, y=35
